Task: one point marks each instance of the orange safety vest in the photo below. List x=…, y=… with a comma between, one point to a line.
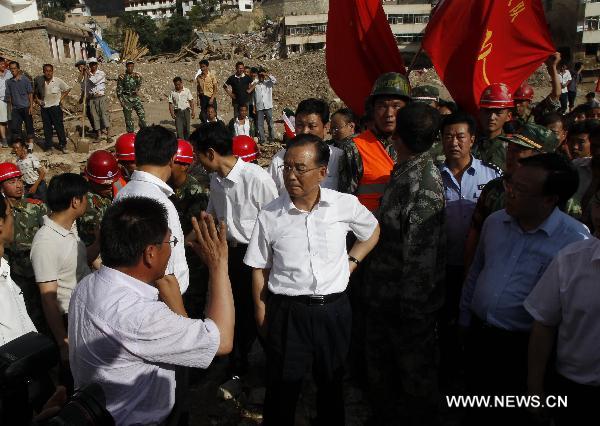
x=377, y=167
x=118, y=185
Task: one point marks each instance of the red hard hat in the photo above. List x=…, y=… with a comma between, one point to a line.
x=245, y=148
x=125, y=147
x=102, y=168
x=185, y=152
x=496, y=95
x=9, y=171
x=524, y=93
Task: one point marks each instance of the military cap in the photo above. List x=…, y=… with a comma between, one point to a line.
x=426, y=94
x=92, y=60
x=391, y=84
x=533, y=136
x=129, y=62
x=80, y=62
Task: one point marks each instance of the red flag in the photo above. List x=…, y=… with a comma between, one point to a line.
x=360, y=47
x=473, y=43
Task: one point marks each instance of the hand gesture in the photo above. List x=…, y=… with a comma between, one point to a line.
x=208, y=242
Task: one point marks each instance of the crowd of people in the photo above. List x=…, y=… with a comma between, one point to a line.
x=417, y=251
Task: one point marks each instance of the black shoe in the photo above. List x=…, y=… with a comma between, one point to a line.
x=63, y=149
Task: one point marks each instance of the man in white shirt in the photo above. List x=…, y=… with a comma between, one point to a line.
x=301, y=270
x=155, y=152
x=262, y=89
x=312, y=117
x=60, y=259
x=181, y=108
x=129, y=328
x=5, y=75
x=14, y=320
x=53, y=91
x=564, y=75
x=565, y=306
x=95, y=84
x=238, y=191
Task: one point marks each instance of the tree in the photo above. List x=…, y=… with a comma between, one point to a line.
x=204, y=12
x=144, y=26
x=56, y=9
x=177, y=32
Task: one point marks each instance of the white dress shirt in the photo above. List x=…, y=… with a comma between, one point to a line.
x=333, y=169
x=238, y=197
x=96, y=83
x=263, y=93
x=181, y=100
x=14, y=320
x=568, y=296
x=241, y=129
x=306, y=251
x=143, y=184
x=122, y=337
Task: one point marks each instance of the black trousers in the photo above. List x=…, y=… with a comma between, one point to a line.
x=18, y=117
x=496, y=364
x=450, y=357
x=298, y=335
x=245, y=326
x=583, y=403
x=52, y=118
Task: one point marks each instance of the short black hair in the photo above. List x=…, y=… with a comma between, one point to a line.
x=155, y=146
x=240, y=106
x=448, y=104
x=581, y=109
x=348, y=115
x=595, y=133
x=254, y=70
x=591, y=95
x=204, y=62
x=551, y=118
x=63, y=188
x=562, y=180
x=460, y=118
x=47, y=65
x=238, y=63
x=176, y=79
x=212, y=135
x=16, y=63
x=579, y=127
x=18, y=141
x=417, y=124
x=314, y=106
x=128, y=227
x=321, y=147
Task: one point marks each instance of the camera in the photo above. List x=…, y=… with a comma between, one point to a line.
x=25, y=385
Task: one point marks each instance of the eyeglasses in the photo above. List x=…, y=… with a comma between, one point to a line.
x=515, y=190
x=172, y=242
x=298, y=170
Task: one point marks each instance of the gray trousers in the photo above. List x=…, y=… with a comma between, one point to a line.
x=182, y=123
x=261, y=114
x=99, y=113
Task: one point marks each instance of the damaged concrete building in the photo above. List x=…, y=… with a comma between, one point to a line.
x=48, y=39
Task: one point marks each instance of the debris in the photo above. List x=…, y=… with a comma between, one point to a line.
x=132, y=50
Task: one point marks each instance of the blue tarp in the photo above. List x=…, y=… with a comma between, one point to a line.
x=108, y=52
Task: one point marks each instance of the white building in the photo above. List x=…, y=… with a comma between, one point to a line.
x=17, y=11
x=80, y=9
x=159, y=9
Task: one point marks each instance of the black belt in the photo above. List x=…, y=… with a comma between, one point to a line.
x=313, y=299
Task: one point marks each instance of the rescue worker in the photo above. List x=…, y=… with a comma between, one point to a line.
x=104, y=177
x=128, y=85
x=368, y=162
x=190, y=198
x=523, y=98
x=28, y=218
x=495, y=109
x=245, y=147
x=125, y=153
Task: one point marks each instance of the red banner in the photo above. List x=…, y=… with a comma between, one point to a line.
x=360, y=47
x=473, y=43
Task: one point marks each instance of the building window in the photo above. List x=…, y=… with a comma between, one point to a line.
x=408, y=38
x=592, y=23
x=408, y=18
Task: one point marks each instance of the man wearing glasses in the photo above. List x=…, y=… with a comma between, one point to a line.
x=516, y=246
x=301, y=271
x=238, y=191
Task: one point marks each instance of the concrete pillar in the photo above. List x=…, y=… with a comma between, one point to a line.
x=72, y=49
x=60, y=47
x=53, y=47
x=77, y=50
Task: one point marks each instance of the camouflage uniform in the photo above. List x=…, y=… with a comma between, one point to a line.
x=404, y=290
x=127, y=92
x=189, y=200
x=90, y=221
x=28, y=218
x=491, y=150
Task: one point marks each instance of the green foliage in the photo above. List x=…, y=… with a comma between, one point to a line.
x=177, y=32
x=53, y=12
x=144, y=26
x=203, y=12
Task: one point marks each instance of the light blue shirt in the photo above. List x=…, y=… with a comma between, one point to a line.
x=507, y=265
x=461, y=198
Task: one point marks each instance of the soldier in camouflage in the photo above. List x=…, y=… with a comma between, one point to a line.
x=495, y=110
x=190, y=197
x=128, y=85
x=404, y=279
x=28, y=218
x=530, y=140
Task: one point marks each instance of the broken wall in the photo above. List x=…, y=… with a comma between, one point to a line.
x=33, y=41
